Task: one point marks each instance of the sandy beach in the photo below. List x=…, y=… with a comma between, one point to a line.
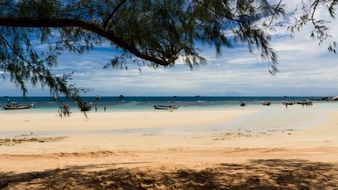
x=243, y=148
x=178, y=95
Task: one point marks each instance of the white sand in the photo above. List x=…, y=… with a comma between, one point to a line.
x=163, y=139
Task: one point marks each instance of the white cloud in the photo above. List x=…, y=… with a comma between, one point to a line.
x=306, y=69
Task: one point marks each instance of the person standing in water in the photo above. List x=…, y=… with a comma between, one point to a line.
x=105, y=108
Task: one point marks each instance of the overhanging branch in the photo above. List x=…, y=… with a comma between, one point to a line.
x=106, y=22
x=64, y=22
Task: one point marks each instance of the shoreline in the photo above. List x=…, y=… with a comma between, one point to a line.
x=29, y=122
x=190, y=141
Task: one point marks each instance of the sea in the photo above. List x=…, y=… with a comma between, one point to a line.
x=274, y=117
x=127, y=103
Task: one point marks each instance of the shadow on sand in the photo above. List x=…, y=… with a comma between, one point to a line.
x=256, y=174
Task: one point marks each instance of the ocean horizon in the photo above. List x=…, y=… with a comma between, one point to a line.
x=43, y=103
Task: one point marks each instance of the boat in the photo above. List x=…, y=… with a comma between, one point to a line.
x=165, y=107
x=98, y=97
x=319, y=99
x=15, y=106
x=302, y=102
x=55, y=98
x=306, y=102
x=266, y=103
x=325, y=99
x=335, y=98
x=288, y=103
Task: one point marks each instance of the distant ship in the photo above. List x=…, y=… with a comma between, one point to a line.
x=55, y=98
x=98, y=97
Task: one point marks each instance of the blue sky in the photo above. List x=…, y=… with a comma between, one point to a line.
x=306, y=69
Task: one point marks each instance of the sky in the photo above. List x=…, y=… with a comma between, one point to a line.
x=306, y=69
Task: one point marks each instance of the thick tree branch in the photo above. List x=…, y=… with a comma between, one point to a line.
x=63, y=22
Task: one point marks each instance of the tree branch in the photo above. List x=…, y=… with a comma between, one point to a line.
x=106, y=22
x=64, y=22
x=274, y=12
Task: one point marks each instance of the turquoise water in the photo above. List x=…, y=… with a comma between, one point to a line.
x=263, y=118
x=48, y=104
x=274, y=117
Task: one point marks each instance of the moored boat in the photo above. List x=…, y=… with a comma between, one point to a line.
x=98, y=97
x=266, y=103
x=288, y=103
x=15, y=106
x=306, y=102
x=165, y=107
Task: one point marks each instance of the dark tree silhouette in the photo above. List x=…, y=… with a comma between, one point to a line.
x=155, y=32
